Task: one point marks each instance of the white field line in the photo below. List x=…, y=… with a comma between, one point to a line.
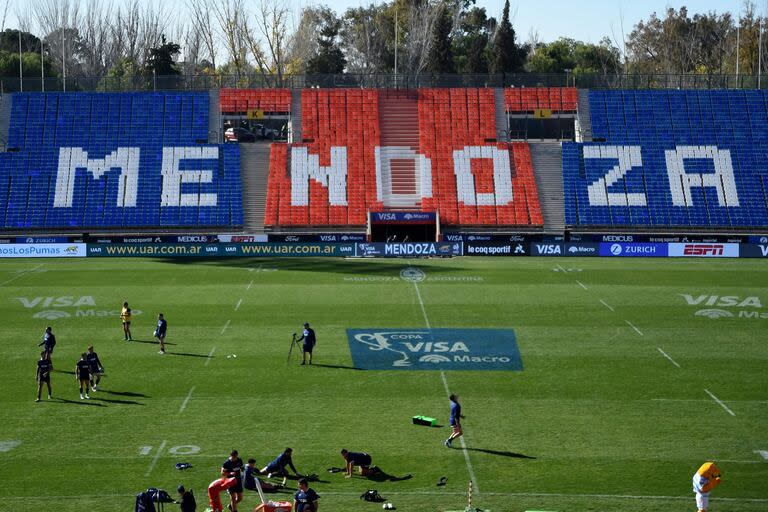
x=238, y=304
x=421, y=303
x=225, y=326
x=606, y=305
x=155, y=458
x=561, y=267
x=668, y=357
x=582, y=284
x=706, y=400
x=463, y=444
x=635, y=328
x=210, y=355
x=428, y=493
x=720, y=402
x=186, y=400
x=249, y=285
x=21, y=274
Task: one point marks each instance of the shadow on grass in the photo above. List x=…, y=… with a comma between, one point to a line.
x=79, y=402
x=336, y=366
x=124, y=393
x=64, y=371
x=150, y=342
x=188, y=354
x=501, y=453
x=116, y=401
x=310, y=264
x=381, y=476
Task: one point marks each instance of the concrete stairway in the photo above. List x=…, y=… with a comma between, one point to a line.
x=502, y=122
x=254, y=169
x=547, y=159
x=584, y=118
x=399, y=122
x=215, y=127
x=295, y=116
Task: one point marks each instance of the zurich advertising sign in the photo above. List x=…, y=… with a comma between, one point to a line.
x=434, y=349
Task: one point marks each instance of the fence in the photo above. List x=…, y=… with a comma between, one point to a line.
x=206, y=82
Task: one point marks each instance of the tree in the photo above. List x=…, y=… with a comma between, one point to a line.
x=329, y=58
x=471, y=43
x=124, y=75
x=9, y=41
x=575, y=56
x=161, y=59
x=440, y=55
x=367, y=39
x=506, y=56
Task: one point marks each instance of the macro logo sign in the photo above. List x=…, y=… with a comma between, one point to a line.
x=434, y=349
x=715, y=307
x=67, y=306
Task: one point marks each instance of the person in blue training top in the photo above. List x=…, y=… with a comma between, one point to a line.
x=233, y=467
x=278, y=466
x=361, y=459
x=249, y=479
x=94, y=365
x=83, y=374
x=160, y=330
x=305, y=499
x=44, y=369
x=308, y=336
x=49, y=341
x=455, y=420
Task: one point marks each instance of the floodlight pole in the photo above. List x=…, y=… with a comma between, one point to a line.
x=21, y=72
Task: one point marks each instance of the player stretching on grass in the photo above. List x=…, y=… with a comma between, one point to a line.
x=361, y=459
x=44, y=369
x=279, y=465
x=125, y=316
x=83, y=374
x=455, y=420
x=704, y=480
x=160, y=330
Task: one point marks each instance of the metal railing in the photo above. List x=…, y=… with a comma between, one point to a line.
x=257, y=81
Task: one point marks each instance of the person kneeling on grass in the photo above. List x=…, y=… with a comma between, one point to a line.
x=704, y=480
x=278, y=466
x=249, y=479
x=361, y=459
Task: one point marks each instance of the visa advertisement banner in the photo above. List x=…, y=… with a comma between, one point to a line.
x=434, y=349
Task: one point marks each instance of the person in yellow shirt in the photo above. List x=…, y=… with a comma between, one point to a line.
x=704, y=480
x=125, y=316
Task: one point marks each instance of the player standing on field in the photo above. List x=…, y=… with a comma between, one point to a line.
x=94, y=366
x=455, y=420
x=49, y=341
x=704, y=480
x=233, y=467
x=83, y=374
x=44, y=369
x=160, y=330
x=125, y=316
x=308, y=336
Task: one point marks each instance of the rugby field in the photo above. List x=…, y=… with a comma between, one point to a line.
x=634, y=372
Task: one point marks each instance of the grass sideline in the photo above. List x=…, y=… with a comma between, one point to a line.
x=612, y=405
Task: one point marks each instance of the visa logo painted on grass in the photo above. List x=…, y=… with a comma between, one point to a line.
x=434, y=349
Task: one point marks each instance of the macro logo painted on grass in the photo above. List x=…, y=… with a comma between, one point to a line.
x=434, y=349
x=58, y=308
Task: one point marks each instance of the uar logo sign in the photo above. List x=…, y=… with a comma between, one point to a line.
x=434, y=349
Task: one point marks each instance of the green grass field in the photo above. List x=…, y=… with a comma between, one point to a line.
x=625, y=390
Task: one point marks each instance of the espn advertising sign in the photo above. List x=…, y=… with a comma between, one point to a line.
x=699, y=250
x=34, y=250
x=434, y=349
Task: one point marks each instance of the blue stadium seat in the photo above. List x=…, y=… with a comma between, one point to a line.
x=114, y=126
x=684, y=138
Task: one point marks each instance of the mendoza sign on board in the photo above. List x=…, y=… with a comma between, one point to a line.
x=25, y=250
x=698, y=250
x=434, y=349
x=411, y=249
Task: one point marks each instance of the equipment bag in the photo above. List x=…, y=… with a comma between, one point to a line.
x=372, y=495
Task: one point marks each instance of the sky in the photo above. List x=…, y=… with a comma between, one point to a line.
x=585, y=20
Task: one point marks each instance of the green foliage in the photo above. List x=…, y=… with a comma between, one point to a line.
x=162, y=59
x=575, y=56
x=506, y=56
x=329, y=58
x=440, y=58
x=9, y=41
x=124, y=75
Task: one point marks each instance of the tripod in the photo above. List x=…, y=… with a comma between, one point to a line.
x=294, y=342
